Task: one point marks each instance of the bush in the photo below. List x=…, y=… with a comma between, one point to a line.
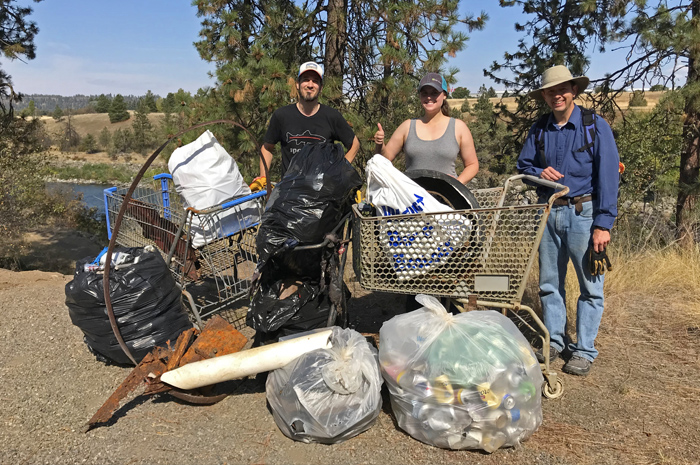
x=637, y=99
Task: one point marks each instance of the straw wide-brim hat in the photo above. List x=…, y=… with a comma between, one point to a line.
x=557, y=75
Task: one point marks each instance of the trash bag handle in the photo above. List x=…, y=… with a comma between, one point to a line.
x=122, y=210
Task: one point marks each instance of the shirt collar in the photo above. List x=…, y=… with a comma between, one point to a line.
x=574, y=119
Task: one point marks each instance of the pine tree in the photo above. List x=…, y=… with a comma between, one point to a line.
x=117, y=110
x=374, y=54
x=142, y=129
x=102, y=104
x=149, y=100
x=88, y=144
x=57, y=114
x=105, y=138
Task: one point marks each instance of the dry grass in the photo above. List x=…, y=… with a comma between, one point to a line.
x=670, y=276
x=93, y=123
x=623, y=101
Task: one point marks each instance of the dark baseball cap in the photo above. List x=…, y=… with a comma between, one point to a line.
x=433, y=80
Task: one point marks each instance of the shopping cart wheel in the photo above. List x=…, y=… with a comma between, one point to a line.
x=553, y=392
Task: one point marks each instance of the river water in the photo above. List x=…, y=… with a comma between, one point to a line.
x=92, y=193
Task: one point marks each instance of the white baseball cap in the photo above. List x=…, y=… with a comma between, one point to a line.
x=311, y=66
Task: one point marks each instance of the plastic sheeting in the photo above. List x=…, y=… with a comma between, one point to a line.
x=466, y=381
x=328, y=395
x=205, y=176
x=145, y=300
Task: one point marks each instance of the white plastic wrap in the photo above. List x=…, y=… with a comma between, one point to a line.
x=205, y=175
x=466, y=381
x=328, y=395
x=416, y=244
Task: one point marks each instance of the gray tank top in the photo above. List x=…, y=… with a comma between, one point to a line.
x=437, y=155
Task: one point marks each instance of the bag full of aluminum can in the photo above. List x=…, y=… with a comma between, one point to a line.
x=465, y=381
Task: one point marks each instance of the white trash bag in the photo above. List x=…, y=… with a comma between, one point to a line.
x=466, y=381
x=415, y=245
x=205, y=176
x=328, y=395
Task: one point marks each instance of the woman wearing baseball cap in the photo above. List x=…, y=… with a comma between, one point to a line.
x=435, y=140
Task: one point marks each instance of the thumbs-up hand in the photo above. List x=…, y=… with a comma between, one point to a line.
x=379, y=135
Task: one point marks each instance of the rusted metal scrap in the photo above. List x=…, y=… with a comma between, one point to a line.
x=217, y=338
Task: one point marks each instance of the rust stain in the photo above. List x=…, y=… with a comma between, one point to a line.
x=217, y=338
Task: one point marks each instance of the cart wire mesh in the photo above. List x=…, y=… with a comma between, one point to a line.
x=211, y=253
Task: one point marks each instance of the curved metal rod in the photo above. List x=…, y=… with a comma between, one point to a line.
x=120, y=215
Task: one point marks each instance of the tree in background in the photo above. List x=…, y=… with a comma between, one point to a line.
x=461, y=92
x=57, y=114
x=21, y=180
x=142, y=129
x=122, y=142
x=117, y=110
x=557, y=32
x=490, y=141
x=663, y=46
x=637, y=99
x=68, y=138
x=374, y=54
x=88, y=144
x=104, y=139
x=102, y=104
x=149, y=100
x=30, y=111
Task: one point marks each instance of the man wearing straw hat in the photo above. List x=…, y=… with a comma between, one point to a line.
x=563, y=147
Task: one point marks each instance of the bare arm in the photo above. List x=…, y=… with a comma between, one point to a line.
x=350, y=154
x=266, y=151
x=396, y=142
x=467, y=152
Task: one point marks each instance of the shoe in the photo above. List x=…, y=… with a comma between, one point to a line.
x=553, y=355
x=577, y=365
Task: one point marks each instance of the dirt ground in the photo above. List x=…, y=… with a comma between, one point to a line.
x=639, y=405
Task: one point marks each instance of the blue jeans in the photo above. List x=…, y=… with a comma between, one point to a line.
x=568, y=236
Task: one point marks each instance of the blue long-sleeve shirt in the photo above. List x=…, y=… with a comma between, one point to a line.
x=589, y=171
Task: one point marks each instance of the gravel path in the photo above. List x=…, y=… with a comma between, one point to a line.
x=52, y=385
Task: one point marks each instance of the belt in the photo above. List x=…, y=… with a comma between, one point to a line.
x=575, y=201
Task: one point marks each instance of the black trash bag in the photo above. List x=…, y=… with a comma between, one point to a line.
x=145, y=300
x=306, y=308
x=313, y=196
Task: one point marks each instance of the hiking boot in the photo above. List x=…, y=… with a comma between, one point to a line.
x=577, y=365
x=553, y=355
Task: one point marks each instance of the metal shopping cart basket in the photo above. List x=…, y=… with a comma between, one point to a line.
x=474, y=258
x=211, y=253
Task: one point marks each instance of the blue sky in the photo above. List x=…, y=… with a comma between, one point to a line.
x=131, y=46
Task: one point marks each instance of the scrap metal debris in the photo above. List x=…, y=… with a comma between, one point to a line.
x=216, y=339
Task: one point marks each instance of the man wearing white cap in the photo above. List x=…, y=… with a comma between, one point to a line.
x=565, y=148
x=306, y=122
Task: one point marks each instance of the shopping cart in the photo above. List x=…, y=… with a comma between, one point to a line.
x=478, y=258
x=211, y=252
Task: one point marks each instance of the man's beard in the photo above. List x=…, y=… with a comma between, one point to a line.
x=308, y=96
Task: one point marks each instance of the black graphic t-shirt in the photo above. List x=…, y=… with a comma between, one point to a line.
x=294, y=130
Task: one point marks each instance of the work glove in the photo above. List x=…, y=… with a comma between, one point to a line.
x=598, y=262
x=258, y=184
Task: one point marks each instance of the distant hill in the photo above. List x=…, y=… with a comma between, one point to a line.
x=44, y=102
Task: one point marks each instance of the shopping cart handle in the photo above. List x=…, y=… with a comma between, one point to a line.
x=543, y=182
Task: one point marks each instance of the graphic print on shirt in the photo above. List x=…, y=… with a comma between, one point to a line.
x=300, y=140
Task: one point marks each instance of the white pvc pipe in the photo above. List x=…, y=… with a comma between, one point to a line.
x=245, y=363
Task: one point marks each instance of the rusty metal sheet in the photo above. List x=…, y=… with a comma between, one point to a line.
x=217, y=338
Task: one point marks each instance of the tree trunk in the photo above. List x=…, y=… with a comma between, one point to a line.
x=336, y=43
x=686, y=220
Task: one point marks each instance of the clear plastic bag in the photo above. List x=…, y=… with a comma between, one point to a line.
x=466, y=381
x=328, y=395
